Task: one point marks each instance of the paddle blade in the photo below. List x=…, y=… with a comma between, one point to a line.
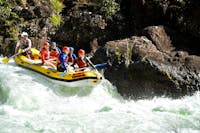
x=100, y=65
x=5, y=60
x=63, y=73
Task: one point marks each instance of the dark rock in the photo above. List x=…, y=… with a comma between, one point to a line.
x=193, y=62
x=80, y=28
x=159, y=37
x=42, y=11
x=140, y=70
x=182, y=16
x=27, y=14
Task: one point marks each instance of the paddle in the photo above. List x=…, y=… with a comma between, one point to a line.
x=100, y=65
x=91, y=64
x=63, y=73
x=6, y=59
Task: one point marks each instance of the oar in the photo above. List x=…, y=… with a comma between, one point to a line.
x=6, y=59
x=91, y=64
x=65, y=72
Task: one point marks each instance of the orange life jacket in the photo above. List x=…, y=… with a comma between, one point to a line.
x=54, y=54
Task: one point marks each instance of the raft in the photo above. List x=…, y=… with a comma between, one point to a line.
x=88, y=77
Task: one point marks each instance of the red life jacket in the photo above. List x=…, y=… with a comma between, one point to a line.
x=44, y=55
x=70, y=60
x=81, y=63
x=54, y=54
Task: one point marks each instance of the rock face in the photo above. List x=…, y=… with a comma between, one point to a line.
x=180, y=15
x=82, y=24
x=32, y=17
x=143, y=68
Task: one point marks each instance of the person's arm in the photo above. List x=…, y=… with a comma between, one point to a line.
x=59, y=51
x=63, y=61
x=42, y=53
x=74, y=56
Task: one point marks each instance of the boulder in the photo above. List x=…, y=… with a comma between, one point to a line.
x=140, y=68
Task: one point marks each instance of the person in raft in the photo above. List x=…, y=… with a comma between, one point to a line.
x=54, y=53
x=54, y=50
x=45, y=56
x=62, y=63
x=80, y=61
x=71, y=57
x=25, y=44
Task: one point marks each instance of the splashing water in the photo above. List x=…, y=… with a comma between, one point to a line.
x=31, y=103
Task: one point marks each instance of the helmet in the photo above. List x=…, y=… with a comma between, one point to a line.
x=24, y=34
x=53, y=43
x=46, y=44
x=65, y=48
x=71, y=48
x=81, y=51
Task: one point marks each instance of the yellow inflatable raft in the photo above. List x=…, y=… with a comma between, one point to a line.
x=74, y=78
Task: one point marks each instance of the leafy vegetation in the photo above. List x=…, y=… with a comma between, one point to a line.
x=108, y=7
x=8, y=18
x=56, y=19
x=57, y=7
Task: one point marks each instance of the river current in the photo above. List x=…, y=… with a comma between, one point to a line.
x=31, y=103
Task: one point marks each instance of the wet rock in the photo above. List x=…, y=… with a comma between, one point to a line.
x=140, y=69
x=193, y=62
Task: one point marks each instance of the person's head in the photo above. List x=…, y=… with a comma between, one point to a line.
x=81, y=53
x=24, y=36
x=65, y=50
x=46, y=45
x=71, y=50
x=53, y=46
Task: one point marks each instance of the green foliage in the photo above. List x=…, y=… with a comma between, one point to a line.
x=57, y=7
x=8, y=18
x=56, y=19
x=108, y=7
x=5, y=10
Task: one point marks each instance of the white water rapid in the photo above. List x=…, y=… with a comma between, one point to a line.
x=31, y=103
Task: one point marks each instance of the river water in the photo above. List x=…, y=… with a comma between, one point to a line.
x=31, y=103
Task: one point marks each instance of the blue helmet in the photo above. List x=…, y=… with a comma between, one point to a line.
x=71, y=48
x=53, y=43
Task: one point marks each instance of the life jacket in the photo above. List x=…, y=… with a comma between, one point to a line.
x=54, y=54
x=44, y=55
x=70, y=59
x=81, y=62
x=62, y=60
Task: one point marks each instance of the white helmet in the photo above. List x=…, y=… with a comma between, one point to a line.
x=24, y=34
